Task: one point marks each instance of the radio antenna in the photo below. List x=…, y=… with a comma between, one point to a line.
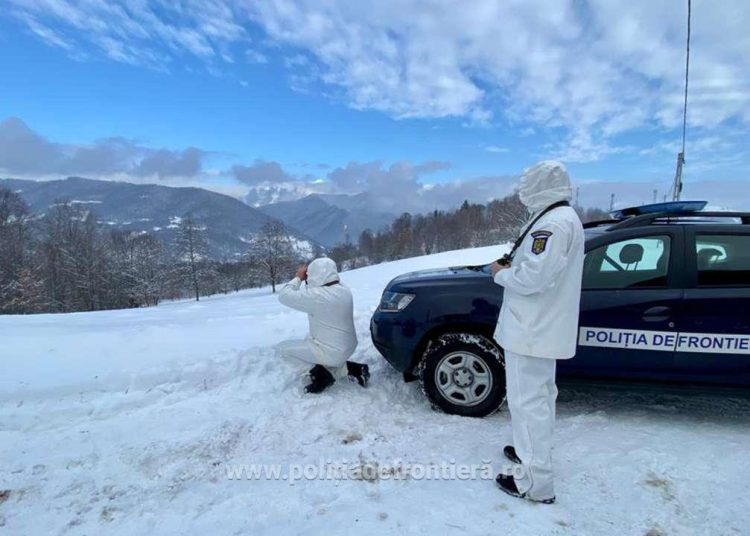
x=677, y=188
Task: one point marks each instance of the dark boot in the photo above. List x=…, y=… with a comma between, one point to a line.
x=508, y=485
x=359, y=372
x=510, y=453
x=320, y=378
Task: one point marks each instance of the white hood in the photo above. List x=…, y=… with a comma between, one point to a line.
x=321, y=271
x=544, y=184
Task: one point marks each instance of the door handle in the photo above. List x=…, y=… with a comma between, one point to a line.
x=659, y=313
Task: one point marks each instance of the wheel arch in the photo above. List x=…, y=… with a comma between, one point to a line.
x=435, y=332
x=489, y=357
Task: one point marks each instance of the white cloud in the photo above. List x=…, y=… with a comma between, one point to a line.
x=261, y=172
x=148, y=33
x=496, y=149
x=583, y=74
x=594, y=69
x=254, y=56
x=392, y=188
x=48, y=35
x=391, y=183
x=266, y=193
x=25, y=153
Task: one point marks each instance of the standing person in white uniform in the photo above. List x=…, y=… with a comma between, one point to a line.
x=538, y=323
x=332, y=339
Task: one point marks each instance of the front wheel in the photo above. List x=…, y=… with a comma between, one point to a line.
x=464, y=374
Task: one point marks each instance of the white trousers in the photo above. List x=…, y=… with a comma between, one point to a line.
x=531, y=392
x=301, y=355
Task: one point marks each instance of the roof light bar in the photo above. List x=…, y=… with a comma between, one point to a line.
x=675, y=207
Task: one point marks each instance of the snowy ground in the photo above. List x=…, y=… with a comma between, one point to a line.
x=126, y=422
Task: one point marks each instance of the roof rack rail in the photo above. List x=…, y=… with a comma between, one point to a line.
x=648, y=219
x=599, y=223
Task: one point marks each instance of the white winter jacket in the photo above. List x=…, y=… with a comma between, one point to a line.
x=541, y=302
x=330, y=310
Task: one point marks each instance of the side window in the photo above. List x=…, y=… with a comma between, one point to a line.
x=723, y=260
x=635, y=263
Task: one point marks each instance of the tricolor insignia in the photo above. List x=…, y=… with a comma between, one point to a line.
x=539, y=242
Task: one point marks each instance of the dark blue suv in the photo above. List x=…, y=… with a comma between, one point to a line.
x=666, y=297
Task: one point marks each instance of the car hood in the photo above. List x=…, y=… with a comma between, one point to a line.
x=441, y=274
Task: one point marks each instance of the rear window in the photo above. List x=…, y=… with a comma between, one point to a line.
x=723, y=260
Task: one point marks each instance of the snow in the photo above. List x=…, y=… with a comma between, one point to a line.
x=127, y=422
x=303, y=247
x=76, y=202
x=174, y=222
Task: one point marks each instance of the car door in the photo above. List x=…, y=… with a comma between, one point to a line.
x=714, y=343
x=630, y=303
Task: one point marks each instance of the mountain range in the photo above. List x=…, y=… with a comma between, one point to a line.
x=330, y=218
x=157, y=209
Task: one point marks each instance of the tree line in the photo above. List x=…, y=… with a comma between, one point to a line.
x=64, y=261
x=471, y=225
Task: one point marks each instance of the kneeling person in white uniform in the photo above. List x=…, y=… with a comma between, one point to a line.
x=538, y=323
x=332, y=339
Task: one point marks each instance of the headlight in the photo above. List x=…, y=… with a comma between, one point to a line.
x=395, y=301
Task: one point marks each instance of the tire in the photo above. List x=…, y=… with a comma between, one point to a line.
x=463, y=374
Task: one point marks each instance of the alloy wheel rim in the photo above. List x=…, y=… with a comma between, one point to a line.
x=463, y=378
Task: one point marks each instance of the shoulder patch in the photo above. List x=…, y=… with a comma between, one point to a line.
x=539, y=242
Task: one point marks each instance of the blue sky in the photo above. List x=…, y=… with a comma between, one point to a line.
x=420, y=98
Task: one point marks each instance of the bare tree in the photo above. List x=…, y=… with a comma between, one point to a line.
x=75, y=259
x=431, y=232
x=191, y=248
x=367, y=244
x=271, y=250
x=507, y=217
x=592, y=214
x=63, y=261
x=138, y=268
x=15, y=244
x=345, y=256
x=236, y=275
x=88, y=262
x=401, y=231
x=148, y=268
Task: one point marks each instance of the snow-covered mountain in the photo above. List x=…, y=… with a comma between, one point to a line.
x=330, y=218
x=154, y=208
x=130, y=422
